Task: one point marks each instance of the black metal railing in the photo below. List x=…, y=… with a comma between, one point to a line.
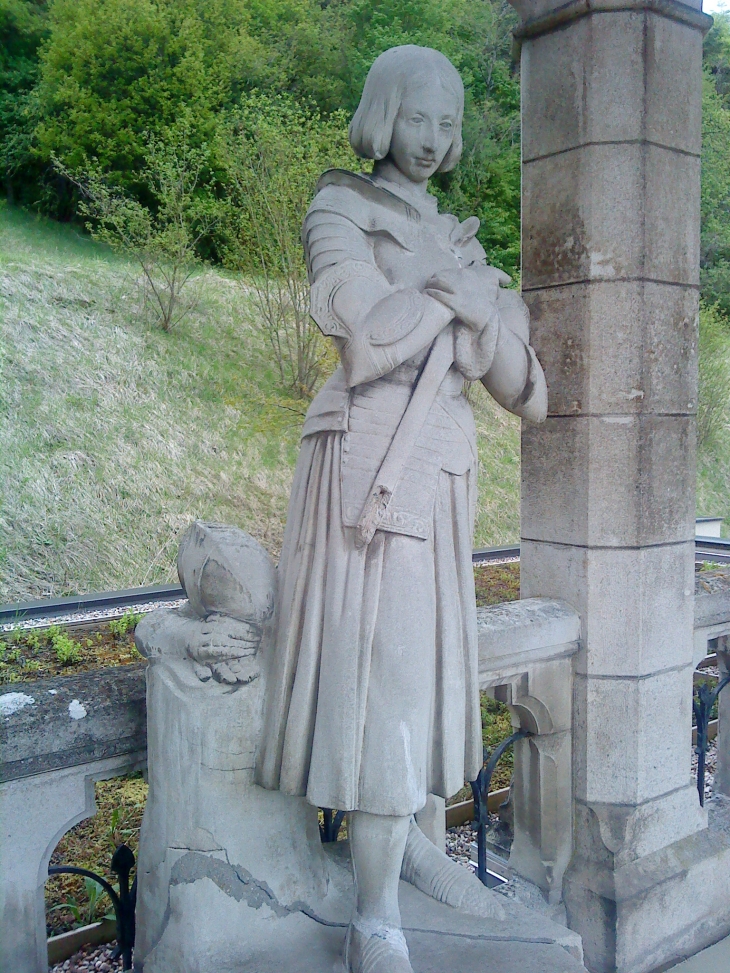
x=331, y=823
x=123, y=901
x=703, y=701
x=480, y=790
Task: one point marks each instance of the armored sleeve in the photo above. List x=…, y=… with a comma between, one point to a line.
x=515, y=377
x=375, y=325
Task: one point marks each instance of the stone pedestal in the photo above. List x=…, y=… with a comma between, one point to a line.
x=234, y=878
x=611, y=191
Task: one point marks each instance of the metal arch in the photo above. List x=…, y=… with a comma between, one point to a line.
x=480, y=790
x=124, y=902
x=703, y=699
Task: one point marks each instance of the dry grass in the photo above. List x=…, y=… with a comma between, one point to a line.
x=115, y=435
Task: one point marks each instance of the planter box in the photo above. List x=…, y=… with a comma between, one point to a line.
x=61, y=947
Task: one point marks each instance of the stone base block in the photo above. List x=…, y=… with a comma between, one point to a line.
x=652, y=913
x=239, y=930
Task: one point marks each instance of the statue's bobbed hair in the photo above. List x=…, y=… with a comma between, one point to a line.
x=371, y=128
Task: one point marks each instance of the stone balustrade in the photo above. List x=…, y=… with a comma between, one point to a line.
x=60, y=735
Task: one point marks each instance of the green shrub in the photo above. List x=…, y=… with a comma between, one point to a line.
x=713, y=406
x=67, y=650
x=272, y=153
x=163, y=238
x=120, y=626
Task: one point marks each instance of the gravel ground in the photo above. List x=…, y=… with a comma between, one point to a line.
x=713, y=581
x=95, y=615
x=88, y=959
x=458, y=842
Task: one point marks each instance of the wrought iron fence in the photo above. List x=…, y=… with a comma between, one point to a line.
x=329, y=828
x=480, y=790
x=123, y=901
x=703, y=701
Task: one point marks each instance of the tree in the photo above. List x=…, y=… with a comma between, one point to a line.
x=22, y=28
x=715, y=205
x=163, y=239
x=273, y=152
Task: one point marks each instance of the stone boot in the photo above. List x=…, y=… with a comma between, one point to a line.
x=434, y=873
x=375, y=947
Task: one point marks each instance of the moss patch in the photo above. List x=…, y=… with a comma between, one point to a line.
x=496, y=583
x=29, y=654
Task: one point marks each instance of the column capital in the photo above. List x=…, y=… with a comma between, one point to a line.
x=542, y=16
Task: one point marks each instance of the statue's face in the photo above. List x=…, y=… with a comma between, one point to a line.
x=423, y=129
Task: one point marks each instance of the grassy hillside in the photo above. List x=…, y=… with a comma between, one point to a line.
x=114, y=435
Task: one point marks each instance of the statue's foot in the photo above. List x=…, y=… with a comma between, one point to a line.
x=375, y=947
x=434, y=873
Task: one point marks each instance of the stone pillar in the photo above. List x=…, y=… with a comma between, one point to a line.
x=611, y=195
x=721, y=784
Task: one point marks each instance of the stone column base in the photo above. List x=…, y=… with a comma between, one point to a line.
x=650, y=914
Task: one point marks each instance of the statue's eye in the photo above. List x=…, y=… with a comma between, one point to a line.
x=447, y=126
x=417, y=119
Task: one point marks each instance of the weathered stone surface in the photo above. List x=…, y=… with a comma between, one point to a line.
x=572, y=232
x=524, y=631
x=611, y=264
x=636, y=605
x=582, y=333
x=656, y=910
x=632, y=736
x=600, y=214
x=74, y=720
x=525, y=659
x=262, y=940
x=35, y=812
x=609, y=481
x=234, y=877
x=573, y=94
x=672, y=216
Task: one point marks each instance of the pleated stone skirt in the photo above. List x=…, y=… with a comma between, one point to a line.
x=372, y=694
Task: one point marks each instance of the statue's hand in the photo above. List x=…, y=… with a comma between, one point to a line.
x=226, y=650
x=470, y=292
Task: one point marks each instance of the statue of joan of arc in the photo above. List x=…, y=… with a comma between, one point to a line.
x=372, y=689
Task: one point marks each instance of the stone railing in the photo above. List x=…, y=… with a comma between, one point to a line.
x=526, y=651
x=60, y=735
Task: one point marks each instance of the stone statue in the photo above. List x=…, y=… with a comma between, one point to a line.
x=348, y=678
x=372, y=696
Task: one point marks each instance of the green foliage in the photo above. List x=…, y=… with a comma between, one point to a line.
x=112, y=73
x=715, y=204
x=497, y=726
x=22, y=28
x=164, y=238
x=85, y=914
x=120, y=626
x=68, y=650
x=272, y=153
x=713, y=407
x=716, y=54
